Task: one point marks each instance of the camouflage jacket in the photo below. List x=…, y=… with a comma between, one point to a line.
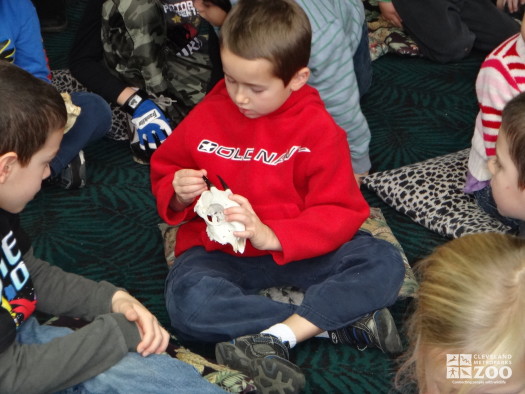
x=159, y=47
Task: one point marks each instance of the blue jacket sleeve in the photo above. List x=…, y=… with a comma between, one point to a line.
x=30, y=54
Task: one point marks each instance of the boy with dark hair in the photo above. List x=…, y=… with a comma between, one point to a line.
x=119, y=349
x=508, y=166
x=267, y=134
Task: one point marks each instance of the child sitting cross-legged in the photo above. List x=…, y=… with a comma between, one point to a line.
x=267, y=134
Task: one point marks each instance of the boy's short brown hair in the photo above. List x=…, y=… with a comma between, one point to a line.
x=276, y=30
x=30, y=109
x=513, y=125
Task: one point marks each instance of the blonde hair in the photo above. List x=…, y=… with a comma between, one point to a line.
x=471, y=300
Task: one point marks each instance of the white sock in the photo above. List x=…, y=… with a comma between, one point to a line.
x=324, y=334
x=283, y=332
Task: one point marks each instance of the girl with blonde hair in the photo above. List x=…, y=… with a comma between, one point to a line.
x=471, y=301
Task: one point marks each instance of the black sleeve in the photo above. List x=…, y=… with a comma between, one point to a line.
x=85, y=298
x=215, y=57
x=86, y=60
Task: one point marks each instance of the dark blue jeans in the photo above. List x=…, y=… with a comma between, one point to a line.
x=213, y=296
x=486, y=202
x=91, y=125
x=363, y=63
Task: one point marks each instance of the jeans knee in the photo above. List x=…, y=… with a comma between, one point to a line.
x=96, y=111
x=190, y=301
x=392, y=266
x=450, y=51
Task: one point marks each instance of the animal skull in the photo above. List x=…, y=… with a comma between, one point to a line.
x=210, y=207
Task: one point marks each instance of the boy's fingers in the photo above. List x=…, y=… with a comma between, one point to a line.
x=156, y=339
x=131, y=314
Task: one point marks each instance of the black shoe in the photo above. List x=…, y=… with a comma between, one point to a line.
x=265, y=359
x=71, y=177
x=376, y=329
x=139, y=156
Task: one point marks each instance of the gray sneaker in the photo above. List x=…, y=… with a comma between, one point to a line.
x=265, y=359
x=376, y=329
x=71, y=177
x=74, y=175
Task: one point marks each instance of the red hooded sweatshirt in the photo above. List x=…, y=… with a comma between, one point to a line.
x=293, y=165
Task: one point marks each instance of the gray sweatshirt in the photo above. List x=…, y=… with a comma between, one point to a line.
x=68, y=360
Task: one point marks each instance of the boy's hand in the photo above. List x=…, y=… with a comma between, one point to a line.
x=260, y=235
x=152, y=125
x=512, y=5
x=390, y=14
x=154, y=337
x=188, y=185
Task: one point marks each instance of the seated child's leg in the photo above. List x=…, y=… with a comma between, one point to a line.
x=92, y=124
x=31, y=332
x=454, y=40
x=344, y=286
x=486, y=202
x=366, y=276
x=490, y=25
x=213, y=296
x=153, y=374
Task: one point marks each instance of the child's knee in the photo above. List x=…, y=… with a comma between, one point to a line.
x=451, y=51
x=390, y=261
x=95, y=113
x=189, y=298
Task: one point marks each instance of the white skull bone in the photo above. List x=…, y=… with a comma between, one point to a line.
x=210, y=207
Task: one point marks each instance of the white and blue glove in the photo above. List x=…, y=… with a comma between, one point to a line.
x=152, y=126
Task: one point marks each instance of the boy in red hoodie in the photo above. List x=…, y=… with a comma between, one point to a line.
x=268, y=135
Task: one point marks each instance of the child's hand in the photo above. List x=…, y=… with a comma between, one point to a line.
x=188, y=184
x=154, y=337
x=512, y=5
x=390, y=14
x=260, y=235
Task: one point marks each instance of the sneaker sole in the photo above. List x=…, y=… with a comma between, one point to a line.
x=389, y=338
x=272, y=375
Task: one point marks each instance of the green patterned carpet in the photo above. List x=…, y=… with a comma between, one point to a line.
x=416, y=110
